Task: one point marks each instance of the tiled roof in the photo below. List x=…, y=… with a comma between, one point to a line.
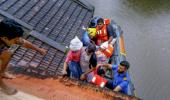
x=52, y=24
x=36, y=64
x=60, y=20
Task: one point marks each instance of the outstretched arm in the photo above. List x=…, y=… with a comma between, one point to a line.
x=83, y=76
x=29, y=45
x=109, y=66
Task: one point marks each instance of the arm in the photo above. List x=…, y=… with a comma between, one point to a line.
x=83, y=76
x=109, y=66
x=113, y=41
x=65, y=68
x=29, y=45
x=24, y=43
x=93, y=64
x=68, y=59
x=88, y=71
x=111, y=33
x=121, y=86
x=110, y=39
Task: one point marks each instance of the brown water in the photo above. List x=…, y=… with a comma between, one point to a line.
x=146, y=26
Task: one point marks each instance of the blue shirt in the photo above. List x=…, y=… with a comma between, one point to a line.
x=120, y=79
x=111, y=31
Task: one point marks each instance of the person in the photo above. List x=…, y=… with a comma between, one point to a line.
x=71, y=66
x=101, y=56
x=105, y=31
x=88, y=60
x=104, y=52
x=89, y=36
x=120, y=82
x=93, y=22
x=10, y=34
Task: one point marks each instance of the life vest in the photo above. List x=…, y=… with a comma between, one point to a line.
x=99, y=81
x=96, y=79
x=107, y=21
x=102, y=34
x=107, y=49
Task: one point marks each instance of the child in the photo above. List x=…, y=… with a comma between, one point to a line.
x=72, y=61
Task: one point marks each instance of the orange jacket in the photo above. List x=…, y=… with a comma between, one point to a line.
x=108, y=51
x=102, y=34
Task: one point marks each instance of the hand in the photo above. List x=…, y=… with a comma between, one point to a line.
x=83, y=77
x=84, y=28
x=64, y=72
x=42, y=51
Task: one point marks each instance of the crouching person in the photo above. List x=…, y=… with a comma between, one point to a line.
x=88, y=60
x=72, y=63
x=10, y=34
x=120, y=82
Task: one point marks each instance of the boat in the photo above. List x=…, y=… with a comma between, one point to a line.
x=119, y=48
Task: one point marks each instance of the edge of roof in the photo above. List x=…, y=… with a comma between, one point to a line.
x=85, y=4
x=5, y=14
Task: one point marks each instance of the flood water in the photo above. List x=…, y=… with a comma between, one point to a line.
x=146, y=26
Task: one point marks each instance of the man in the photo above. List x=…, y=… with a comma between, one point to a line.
x=89, y=36
x=120, y=82
x=88, y=60
x=105, y=31
x=10, y=34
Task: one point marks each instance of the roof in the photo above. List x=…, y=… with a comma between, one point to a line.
x=55, y=22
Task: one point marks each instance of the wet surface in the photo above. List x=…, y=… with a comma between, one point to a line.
x=63, y=89
x=146, y=27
